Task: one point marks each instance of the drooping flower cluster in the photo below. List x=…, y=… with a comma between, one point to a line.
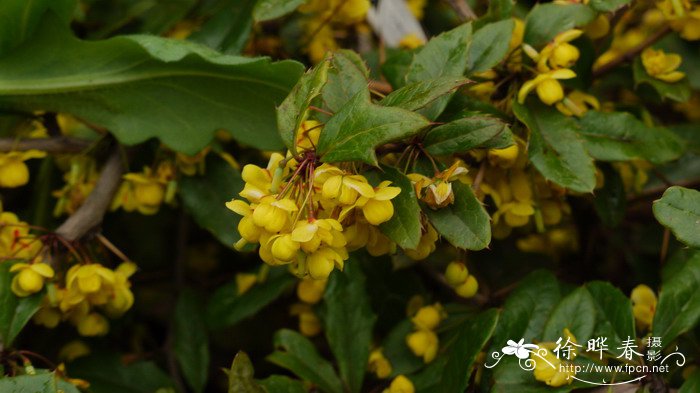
x=309, y=216
x=457, y=275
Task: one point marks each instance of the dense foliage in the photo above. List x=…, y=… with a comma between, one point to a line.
x=342, y=196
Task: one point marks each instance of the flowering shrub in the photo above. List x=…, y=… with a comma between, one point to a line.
x=347, y=196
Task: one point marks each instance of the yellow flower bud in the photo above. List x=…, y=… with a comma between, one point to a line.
x=643, y=305
x=423, y=343
x=309, y=324
x=30, y=278
x=564, y=55
x=245, y=281
x=273, y=214
x=505, y=158
x=428, y=317
x=456, y=273
x=73, y=350
x=311, y=291
x=550, y=91
x=378, y=364
x=322, y=262
x=425, y=246
x=13, y=170
x=440, y=195
x=468, y=288
x=92, y=324
x=48, y=317
x=400, y=384
x=284, y=249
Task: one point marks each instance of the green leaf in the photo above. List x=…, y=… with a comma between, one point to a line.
x=679, y=210
x=298, y=355
x=295, y=108
x=678, y=91
x=489, y=45
x=614, y=319
x=468, y=133
x=107, y=374
x=418, y=95
x=347, y=75
x=497, y=10
x=19, y=19
x=576, y=312
x=545, y=21
x=229, y=27
x=455, y=367
x=191, y=343
x=204, y=197
x=140, y=87
x=226, y=307
x=348, y=323
x=273, y=9
x=678, y=309
x=465, y=223
x=282, y=384
x=394, y=347
x=691, y=384
x=39, y=383
x=240, y=376
x=611, y=200
x=555, y=147
x=607, y=5
x=444, y=55
x=14, y=312
x=360, y=126
x=396, y=66
x=619, y=136
x=404, y=226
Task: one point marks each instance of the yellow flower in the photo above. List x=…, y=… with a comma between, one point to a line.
x=547, y=85
x=191, y=165
x=400, y=384
x=259, y=181
x=122, y=298
x=505, y=158
x=13, y=170
x=378, y=364
x=425, y=246
x=456, y=273
x=141, y=191
x=423, y=343
x=516, y=38
x=598, y=28
x=683, y=16
x=15, y=239
x=411, y=41
x=662, y=66
x=313, y=233
x=323, y=40
x=577, y=103
x=643, y=305
x=245, y=281
x=47, y=316
x=309, y=324
x=30, y=277
x=273, y=214
x=416, y=7
x=559, y=53
x=548, y=369
x=311, y=291
x=308, y=133
x=378, y=207
x=469, y=288
x=345, y=189
x=73, y=350
x=92, y=324
x=322, y=261
x=428, y=317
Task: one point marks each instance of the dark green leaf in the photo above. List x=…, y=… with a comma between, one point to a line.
x=229, y=27
x=489, y=45
x=295, y=108
x=576, y=312
x=273, y=9
x=191, y=343
x=108, y=374
x=39, y=383
x=679, y=210
x=297, y=354
x=465, y=223
x=545, y=21
x=205, y=197
x=347, y=75
x=348, y=323
x=282, y=384
x=555, y=147
x=614, y=319
x=240, y=376
x=678, y=309
x=691, y=384
x=226, y=307
x=19, y=19
x=678, y=91
x=619, y=136
x=607, y=5
x=611, y=200
x=14, y=312
x=140, y=87
x=468, y=133
x=418, y=95
x=360, y=126
x=404, y=226
x=396, y=67
x=497, y=10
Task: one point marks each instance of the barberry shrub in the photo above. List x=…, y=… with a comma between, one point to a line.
x=346, y=196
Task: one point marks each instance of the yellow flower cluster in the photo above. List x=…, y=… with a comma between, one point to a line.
x=146, y=191
x=457, y=275
x=13, y=171
x=313, y=217
x=423, y=342
x=88, y=288
x=643, y=306
x=379, y=364
x=683, y=16
x=548, y=367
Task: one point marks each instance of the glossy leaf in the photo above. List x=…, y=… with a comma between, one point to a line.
x=679, y=210
x=240, y=376
x=360, y=126
x=226, y=307
x=273, y=9
x=140, y=87
x=545, y=21
x=611, y=200
x=489, y=45
x=555, y=148
x=347, y=75
x=19, y=19
x=14, y=312
x=298, y=355
x=677, y=91
x=576, y=312
x=418, y=95
x=607, y=5
x=404, y=226
x=619, y=136
x=108, y=374
x=348, y=323
x=282, y=384
x=204, y=197
x=465, y=223
x=228, y=28
x=191, y=343
x=678, y=309
x=468, y=133
x=295, y=108
x=39, y=383
x=614, y=319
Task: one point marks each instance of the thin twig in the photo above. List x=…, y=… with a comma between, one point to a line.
x=90, y=214
x=60, y=144
x=463, y=10
x=632, y=53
